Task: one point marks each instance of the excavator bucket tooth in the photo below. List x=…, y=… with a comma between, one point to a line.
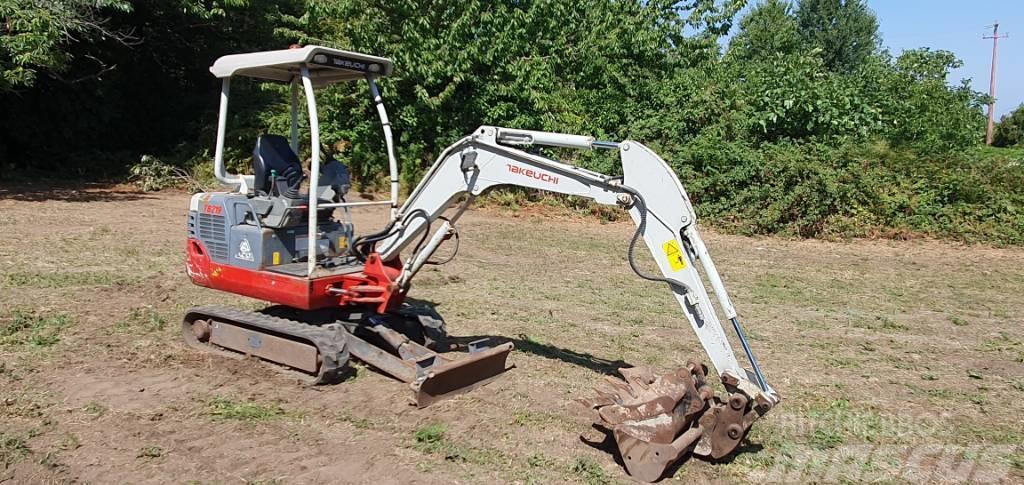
x=450, y=378
x=616, y=414
x=639, y=377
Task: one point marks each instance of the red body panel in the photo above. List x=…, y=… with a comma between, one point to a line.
x=375, y=285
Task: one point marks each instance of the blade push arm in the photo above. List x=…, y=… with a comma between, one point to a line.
x=649, y=189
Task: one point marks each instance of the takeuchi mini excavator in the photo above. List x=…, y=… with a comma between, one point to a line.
x=284, y=235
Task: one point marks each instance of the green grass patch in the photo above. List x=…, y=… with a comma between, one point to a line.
x=357, y=421
x=12, y=449
x=150, y=452
x=63, y=280
x=143, y=319
x=432, y=439
x=31, y=329
x=827, y=437
x=589, y=471
x=228, y=409
x=1003, y=343
x=69, y=442
x=95, y=409
x=839, y=422
x=775, y=287
x=880, y=322
x=1017, y=461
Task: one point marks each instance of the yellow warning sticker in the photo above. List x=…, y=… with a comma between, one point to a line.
x=674, y=254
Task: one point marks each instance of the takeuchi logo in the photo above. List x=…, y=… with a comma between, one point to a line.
x=529, y=172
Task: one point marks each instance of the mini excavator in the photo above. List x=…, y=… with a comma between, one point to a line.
x=285, y=236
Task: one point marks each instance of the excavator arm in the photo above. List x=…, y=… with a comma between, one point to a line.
x=657, y=202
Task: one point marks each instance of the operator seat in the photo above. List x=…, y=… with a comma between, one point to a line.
x=278, y=176
x=274, y=155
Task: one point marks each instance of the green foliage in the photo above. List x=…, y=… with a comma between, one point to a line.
x=36, y=34
x=150, y=451
x=801, y=126
x=142, y=319
x=590, y=472
x=12, y=449
x=845, y=31
x=927, y=113
x=1010, y=129
x=815, y=190
x=225, y=408
x=431, y=438
x=568, y=66
x=28, y=328
x=768, y=29
x=152, y=174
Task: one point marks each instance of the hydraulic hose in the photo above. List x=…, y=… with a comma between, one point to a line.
x=362, y=246
x=641, y=206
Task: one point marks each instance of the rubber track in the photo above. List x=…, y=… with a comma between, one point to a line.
x=329, y=340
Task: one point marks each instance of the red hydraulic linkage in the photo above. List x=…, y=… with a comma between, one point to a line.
x=376, y=285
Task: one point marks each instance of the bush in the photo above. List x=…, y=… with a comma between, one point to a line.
x=151, y=174
x=1010, y=129
x=856, y=190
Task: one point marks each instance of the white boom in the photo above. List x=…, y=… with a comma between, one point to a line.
x=649, y=189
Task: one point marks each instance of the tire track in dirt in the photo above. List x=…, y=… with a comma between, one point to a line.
x=157, y=408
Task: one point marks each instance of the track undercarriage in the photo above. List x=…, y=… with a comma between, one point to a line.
x=315, y=346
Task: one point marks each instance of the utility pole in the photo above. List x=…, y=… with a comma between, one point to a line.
x=992, y=81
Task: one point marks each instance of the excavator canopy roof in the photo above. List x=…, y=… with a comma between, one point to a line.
x=326, y=65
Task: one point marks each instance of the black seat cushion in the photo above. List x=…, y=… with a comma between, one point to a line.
x=273, y=154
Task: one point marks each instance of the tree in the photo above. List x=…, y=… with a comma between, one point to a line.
x=1010, y=130
x=925, y=110
x=569, y=66
x=35, y=36
x=97, y=100
x=769, y=29
x=846, y=31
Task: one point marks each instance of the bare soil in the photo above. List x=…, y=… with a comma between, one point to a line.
x=897, y=361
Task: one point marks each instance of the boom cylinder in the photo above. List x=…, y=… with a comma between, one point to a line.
x=528, y=137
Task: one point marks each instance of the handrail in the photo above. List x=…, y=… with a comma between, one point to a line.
x=356, y=204
x=314, y=170
x=389, y=141
x=222, y=122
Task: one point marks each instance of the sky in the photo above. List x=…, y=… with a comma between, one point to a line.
x=957, y=26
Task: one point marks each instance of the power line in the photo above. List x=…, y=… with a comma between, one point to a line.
x=992, y=80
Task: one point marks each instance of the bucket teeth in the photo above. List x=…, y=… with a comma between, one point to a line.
x=638, y=377
x=655, y=419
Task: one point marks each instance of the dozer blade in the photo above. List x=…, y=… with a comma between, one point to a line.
x=456, y=377
x=656, y=419
x=431, y=376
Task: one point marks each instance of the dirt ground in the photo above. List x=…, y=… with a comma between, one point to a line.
x=897, y=361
